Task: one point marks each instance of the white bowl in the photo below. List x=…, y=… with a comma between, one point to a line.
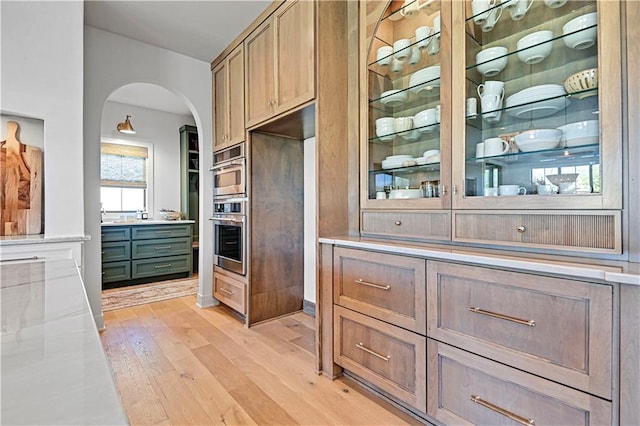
x=581, y=133
x=424, y=118
x=564, y=178
x=577, y=34
x=538, y=139
x=399, y=157
x=535, y=47
x=402, y=124
x=431, y=152
x=405, y=193
x=393, y=98
x=491, y=61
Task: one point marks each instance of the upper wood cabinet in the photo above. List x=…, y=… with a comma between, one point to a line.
x=280, y=68
x=228, y=100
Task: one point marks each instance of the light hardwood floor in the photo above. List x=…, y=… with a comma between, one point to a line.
x=177, y=364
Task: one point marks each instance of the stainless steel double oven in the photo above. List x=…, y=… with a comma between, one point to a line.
x=229, y=209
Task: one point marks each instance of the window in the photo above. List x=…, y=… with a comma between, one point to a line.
x=123, y=177
x=588, y=180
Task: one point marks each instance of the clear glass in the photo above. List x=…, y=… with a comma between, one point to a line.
x=547, y=114
x=404, y=102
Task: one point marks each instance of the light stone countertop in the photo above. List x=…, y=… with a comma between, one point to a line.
x=580, y=268
x=54, y=369
x=145, y=222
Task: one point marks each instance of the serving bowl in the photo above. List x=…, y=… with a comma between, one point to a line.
x=405, y=193
x=491, y=61
x=538, y=139
x=535, y=47
x=583, y=80
x=566, y=183
x=170, y=214
x=581, y=32
x=580, y=133
x=393, y=98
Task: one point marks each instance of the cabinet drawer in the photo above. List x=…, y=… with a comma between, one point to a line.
x=142, y=249
x=160, y=266
x=230, y=292
x=116, y=271
x=117, y=250
x=569, y=338
x=115, y=233
x=468, y=389
x=595, y=232
x=424, y=225
x=388, y=287
x=389, y=357
x=161, y=231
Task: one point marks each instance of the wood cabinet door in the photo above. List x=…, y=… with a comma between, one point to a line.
x=295, y=55
x=259, y=74
x=220, y=110
x=235, y=78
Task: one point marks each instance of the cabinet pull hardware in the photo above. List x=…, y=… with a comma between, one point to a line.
x=379, y=286
x=162, y=266
x=521, y=228
x=102, y=252
x=398, y=222
x=162, y=247
x=530, y=323
x=443, y=189
x=163, y=232
x=516, y=418
x=103, y=273
x=454, y=189
x=374, y=353
x=224, y=290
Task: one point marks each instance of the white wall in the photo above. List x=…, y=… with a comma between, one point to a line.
x=310, y=230
x=162, y=130
x=112, y=61
x=41, y=68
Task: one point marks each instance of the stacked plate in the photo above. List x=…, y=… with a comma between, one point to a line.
x=425, y=82
x=393, y=98
x=536, y=102
x=394, y=161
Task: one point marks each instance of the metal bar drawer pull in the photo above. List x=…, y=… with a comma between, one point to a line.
x=374, y=353
x=516, y=418
x=224, y=290
x=530, y=323
x=162, y=247
x=162, y=266
x=379, y=286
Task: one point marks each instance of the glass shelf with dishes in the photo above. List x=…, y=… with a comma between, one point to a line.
x=531, y=69
x=403, y=74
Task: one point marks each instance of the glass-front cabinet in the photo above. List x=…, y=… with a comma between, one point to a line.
x=537, y=109
x=405, y=159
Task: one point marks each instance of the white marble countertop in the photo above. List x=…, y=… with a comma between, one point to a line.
x=145, y=222
x=54, y=370
x=582, y=268
x=8, y=240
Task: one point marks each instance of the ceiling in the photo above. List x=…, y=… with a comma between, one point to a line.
x=199, y=29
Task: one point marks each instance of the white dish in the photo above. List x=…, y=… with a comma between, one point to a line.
x=538, y=139
x=398, y=157
x=581, y=32
x=491, y=61
x=540, y=109
x=432, y=159
x=533, y=102
x=393, y=98
x=405, y=193
x=535, y=47
x=581, y=133
x=425, y=82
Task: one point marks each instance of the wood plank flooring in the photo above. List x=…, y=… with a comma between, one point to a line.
x=177, y=364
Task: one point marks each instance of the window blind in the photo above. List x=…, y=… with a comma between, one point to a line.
x=123, y=166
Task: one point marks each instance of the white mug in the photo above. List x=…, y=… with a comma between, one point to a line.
x=422, y=36
x=434, y=46
x=490, y=192
x=554, y=4
x=480, y=8
x=491, y=105
x=491, y=87
x=401, y=50
x=480, y=150
x=384, y=55
x=492, y=18
x=519, y=8
x=381, y=195
x=438, y=113
x=495, y=146
x=511, y=190
x=471, y=107
x=410, y=8
x=436, y=25
x=396, y=65
x=416, y=55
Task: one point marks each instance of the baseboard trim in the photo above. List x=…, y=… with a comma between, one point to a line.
x=206, y=300
x=309, y=308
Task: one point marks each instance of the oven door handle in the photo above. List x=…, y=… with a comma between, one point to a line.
x=217, y=219
x=227, y=164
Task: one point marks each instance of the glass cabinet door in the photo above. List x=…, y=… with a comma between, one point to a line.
x=538, y=105
x=407, y=115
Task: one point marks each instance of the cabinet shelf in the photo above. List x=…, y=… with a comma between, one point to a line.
x=556, y=157
x=398, y=138
x=431, y=167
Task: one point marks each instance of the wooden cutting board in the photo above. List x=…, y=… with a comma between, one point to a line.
x=20, y=185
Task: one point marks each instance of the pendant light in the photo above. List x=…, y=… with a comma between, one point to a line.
x=126, y=127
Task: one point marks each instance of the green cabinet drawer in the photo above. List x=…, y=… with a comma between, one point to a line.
x=115, y=251
x=161, y=231
x=142, y=249
x=116, y=233
x=116, y=271
x=142, y=268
